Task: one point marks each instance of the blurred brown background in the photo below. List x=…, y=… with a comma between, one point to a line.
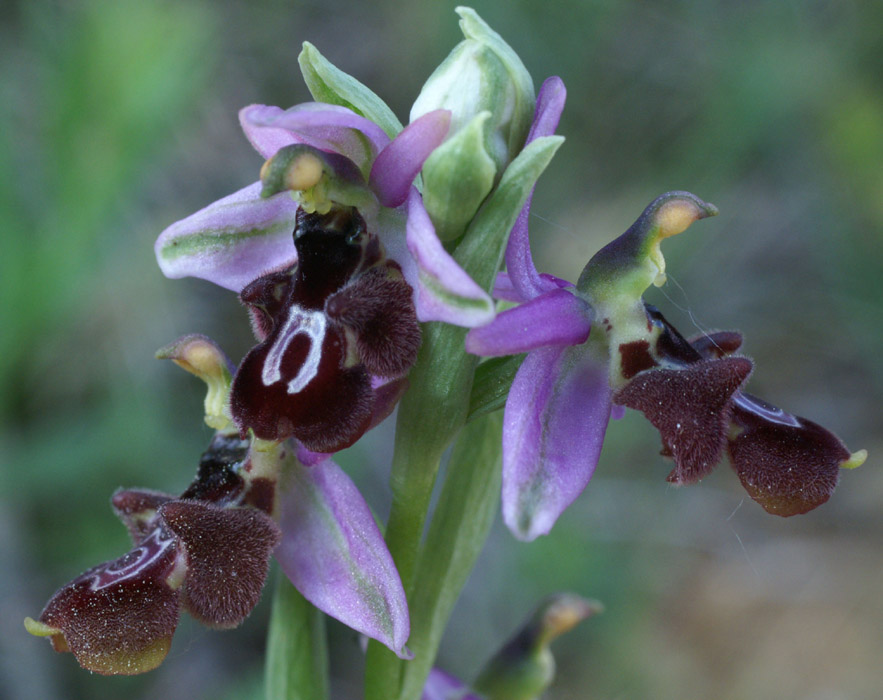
x=119, y=118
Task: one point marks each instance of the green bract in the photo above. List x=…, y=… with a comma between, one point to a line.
x=457, y=177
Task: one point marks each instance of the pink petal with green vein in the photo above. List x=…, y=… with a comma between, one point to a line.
x=232, y=241
x=334, y=554
x=444, y=292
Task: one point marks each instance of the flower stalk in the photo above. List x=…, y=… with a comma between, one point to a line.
x=296, y=666
x=441, y=383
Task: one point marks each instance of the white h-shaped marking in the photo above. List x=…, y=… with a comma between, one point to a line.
x=309, y=323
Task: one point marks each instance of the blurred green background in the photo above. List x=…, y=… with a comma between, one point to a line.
x=119, y=118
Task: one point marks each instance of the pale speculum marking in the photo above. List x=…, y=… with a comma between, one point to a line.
x=309, y=323
x=153, y=548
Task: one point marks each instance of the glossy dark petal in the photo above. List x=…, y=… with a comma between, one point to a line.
x=691, y=408
x=217, y=479
x=227, y=553
x=788, y=464
x=329, y=251
x=378, y=306
x=671, y=346
x=119, y=617
x=316, y=399
x=137, y=508
x=717, y=344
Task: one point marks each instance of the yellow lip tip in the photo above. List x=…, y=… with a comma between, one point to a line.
x=675, y=216
x=856, y=459
x=40, y=629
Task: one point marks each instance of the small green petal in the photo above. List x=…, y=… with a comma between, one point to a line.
x=327, y=83
x=457, y=177
x=481, y=250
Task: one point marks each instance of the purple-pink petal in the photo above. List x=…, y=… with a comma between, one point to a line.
x=398, y=164
x=327, y=127
x=443, y=290
x=519, y=262
x=553, y=428
x=266, y=140
x=504, y=288
x=441, y=685
x=550, y=105
x=232, y=241
x=334, y=554
x=557, y=318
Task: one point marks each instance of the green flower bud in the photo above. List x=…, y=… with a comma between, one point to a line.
x=457, y=177
x=524, y=667
x=481, y=74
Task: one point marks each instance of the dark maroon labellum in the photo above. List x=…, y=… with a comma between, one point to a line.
x=692, y=395
x=691, y=408
x=341, y=314
x=208, y=550
x=788, y=464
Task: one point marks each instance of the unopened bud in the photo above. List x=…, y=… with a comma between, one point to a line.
x=482, y=74
x=524, y=667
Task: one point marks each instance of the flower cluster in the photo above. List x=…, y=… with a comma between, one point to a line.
x=597, y=347
x=359, y=230
x=336, y=258
x=207, y=551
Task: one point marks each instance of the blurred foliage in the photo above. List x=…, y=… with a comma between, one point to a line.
x=120, y=117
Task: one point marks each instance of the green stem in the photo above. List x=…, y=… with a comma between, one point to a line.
x=297, y=653
x=437, y=402
x=459, y=528
x=429, y=417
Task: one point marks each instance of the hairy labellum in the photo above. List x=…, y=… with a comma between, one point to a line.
x=691, y=392
x=788, y=464
x=691, y=407
x=342, y=314
x=207, y=551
